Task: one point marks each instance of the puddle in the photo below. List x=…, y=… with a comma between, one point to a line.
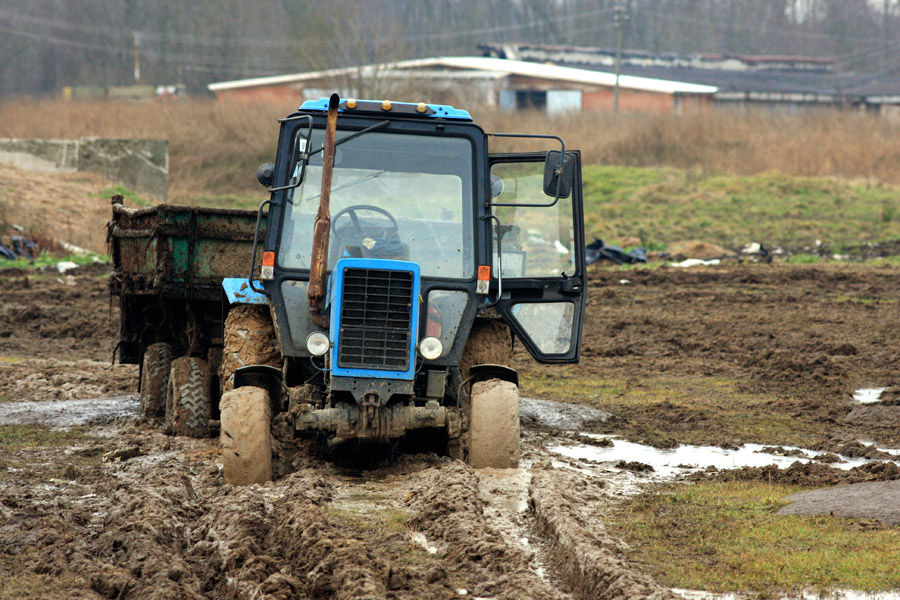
x=868, y=395
x=69, y=413
x=669, y=463
x=806, y=595
x=559, y=415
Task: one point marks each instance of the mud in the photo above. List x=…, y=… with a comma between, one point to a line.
x=809, y=335
x=116, y=508
x=877, y=500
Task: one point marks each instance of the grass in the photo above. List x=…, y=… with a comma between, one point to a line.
x=687, y=406
x=132, y=199
x=725, y=537
x=661, y=205
x=24, y=437
x=27, y=585
x=47, y=259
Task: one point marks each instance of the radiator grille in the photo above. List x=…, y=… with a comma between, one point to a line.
x=375, y=327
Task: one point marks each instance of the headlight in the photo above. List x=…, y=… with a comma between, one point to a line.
x=430, y=348
x=317, y=343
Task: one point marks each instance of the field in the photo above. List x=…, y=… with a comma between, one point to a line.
x=95, y=503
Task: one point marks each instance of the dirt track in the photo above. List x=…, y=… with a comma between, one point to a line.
x=121, y=510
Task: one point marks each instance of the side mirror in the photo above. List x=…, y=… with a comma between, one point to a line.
x=265, y=174
x=558, y=175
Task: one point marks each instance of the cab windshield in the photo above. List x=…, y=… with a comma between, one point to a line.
x=394, y=196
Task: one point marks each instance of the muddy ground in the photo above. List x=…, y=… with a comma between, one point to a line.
x=113, y=508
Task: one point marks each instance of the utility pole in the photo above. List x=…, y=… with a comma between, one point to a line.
x=137, y=56
x=621, y=16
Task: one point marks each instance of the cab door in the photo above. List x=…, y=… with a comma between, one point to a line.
x=538, y=279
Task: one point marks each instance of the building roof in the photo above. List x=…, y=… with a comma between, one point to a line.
x=796, y=78
x=479, y=67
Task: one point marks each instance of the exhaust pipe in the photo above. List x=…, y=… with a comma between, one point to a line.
x=319, y=258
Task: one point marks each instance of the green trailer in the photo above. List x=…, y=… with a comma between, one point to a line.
x=169, y=262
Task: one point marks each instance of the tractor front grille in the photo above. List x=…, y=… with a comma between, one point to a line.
x=376, y=313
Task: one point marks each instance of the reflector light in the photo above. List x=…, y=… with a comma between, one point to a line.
x=268, y=259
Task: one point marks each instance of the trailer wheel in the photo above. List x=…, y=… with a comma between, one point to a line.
x=245, y=436
x=155, y=380
x=249, y=340
x=188, y=397
x=494, y=425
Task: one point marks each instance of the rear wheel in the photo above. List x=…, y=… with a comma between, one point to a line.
x=494, y=425
x=188, y=397
x=155, y=380
x=245, y=435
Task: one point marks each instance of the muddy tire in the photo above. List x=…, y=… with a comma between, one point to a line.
x=188, y=397
x=155, y=380
x=245, y=436
x=494, y=425
x=249, y=340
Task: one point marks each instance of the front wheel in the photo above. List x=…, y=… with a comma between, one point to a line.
x=245, y=435
x=494, y=425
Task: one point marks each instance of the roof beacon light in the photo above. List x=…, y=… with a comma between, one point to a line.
x=351, y=103
x=421, y=107
x=386, y=105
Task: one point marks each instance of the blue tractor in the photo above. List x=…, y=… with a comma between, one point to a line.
x=399, y=260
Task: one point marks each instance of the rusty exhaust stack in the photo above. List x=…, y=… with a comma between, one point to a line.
x=319, y=259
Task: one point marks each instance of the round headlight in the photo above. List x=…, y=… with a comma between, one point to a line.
x=317, y=343
x=430, y=348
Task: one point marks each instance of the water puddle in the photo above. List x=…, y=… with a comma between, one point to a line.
x=669, y=463
x=868, y=395
x=69, y=413
x=559, y=415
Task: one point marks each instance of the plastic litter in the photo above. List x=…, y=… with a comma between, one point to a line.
x=598, y=250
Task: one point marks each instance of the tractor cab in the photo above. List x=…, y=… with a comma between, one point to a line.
x=400, y=255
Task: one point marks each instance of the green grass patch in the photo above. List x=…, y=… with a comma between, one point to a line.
x=726, y=537
x=689, y=410
x=132, y=199
x=661, y=205
x=45, y=259
x=23, y=437
x=806, y=259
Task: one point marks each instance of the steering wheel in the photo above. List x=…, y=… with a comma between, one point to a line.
x=355, y=225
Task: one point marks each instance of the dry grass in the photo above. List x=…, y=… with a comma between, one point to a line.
x=215, y=148
x=821, y=143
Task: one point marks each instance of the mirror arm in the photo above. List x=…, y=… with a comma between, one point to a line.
x=255, y=245
x=500, y=234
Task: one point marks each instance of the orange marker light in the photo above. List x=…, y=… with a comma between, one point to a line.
x=268, y=259
x=386, y=105
x=484, y=279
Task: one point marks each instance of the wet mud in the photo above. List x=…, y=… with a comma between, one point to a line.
x=115, y=508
